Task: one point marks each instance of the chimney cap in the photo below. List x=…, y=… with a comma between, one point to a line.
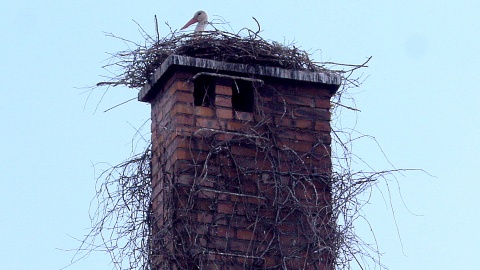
x=331, y=79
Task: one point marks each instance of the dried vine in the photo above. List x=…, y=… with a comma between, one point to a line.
x=123, y=217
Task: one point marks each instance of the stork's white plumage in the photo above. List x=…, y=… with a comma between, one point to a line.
x=201, y=18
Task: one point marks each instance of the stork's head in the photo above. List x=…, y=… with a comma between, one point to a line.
x=199, y=17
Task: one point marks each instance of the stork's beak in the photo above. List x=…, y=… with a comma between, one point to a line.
x=192, y=21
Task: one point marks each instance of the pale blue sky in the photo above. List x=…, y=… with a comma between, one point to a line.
x=420, y=101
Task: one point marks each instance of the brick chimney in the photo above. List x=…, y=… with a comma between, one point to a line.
x=241, y=166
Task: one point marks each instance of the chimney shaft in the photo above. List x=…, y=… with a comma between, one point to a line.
x=241, y=166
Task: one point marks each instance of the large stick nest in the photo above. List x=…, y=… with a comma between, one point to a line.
x=139, y=64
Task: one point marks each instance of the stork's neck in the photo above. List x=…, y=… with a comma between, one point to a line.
x=201, y=26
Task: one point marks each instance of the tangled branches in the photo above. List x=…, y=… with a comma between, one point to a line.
x=121, y=210
x=137, y=66
x=126, y=220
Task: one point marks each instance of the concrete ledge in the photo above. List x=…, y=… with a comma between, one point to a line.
x=219, y=66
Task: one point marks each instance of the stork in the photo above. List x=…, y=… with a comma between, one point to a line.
x=201, y=18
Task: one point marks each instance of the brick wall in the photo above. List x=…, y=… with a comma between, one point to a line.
x=236, y=187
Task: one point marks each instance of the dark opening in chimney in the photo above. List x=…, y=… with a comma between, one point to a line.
x=242, y=96
x=204, y=91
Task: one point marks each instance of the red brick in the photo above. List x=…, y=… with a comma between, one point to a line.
x=254, y=200
x=237, y=126
x=271, y=262
x=322, y=126
x=203, y=204
x=287, y=134
x=287, y=228
x=258, y=164
x=184, y=166
x=322, y=164
x=300, y=146
x=308, y=193
x=222, y=196
x=181, y=108
x=169, y=92
x=240, y=222
x=207, y=123
x=245, y=116
x=223, y=231
x=303, y=124
x=191, y=144
x=273, y=108
x=181, y=143
x=225, y=208
x=322, y=150
x=248, y=187
x=287, y=240
x=223, y=90
x=157, y=114
x=244, y=151
x=322, y=103
x=236, y=245
x=201, y=229
x=218, y=243
x=324, y=138
x=207, y=194
x=183, y=96
x=306, y=136
x=224, y=113
x=267, y=213
x=207, y=182
x=204, y=111
x=179, y=83
x=223, y=101
x=309, y=90
x=185, y=179
x=245, y=234
x=284, y=121
x=183, y=120
x=297, y=100
x=184, y=85
x=221, y=219
x=241, y=209
x=297, y=262
x=224, y=136
x=183, y=154
x=312, y=113
x=167, y=105
x=203, y=217
x=181, y=202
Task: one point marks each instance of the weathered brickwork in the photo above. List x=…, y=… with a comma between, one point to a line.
x=237, y=189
